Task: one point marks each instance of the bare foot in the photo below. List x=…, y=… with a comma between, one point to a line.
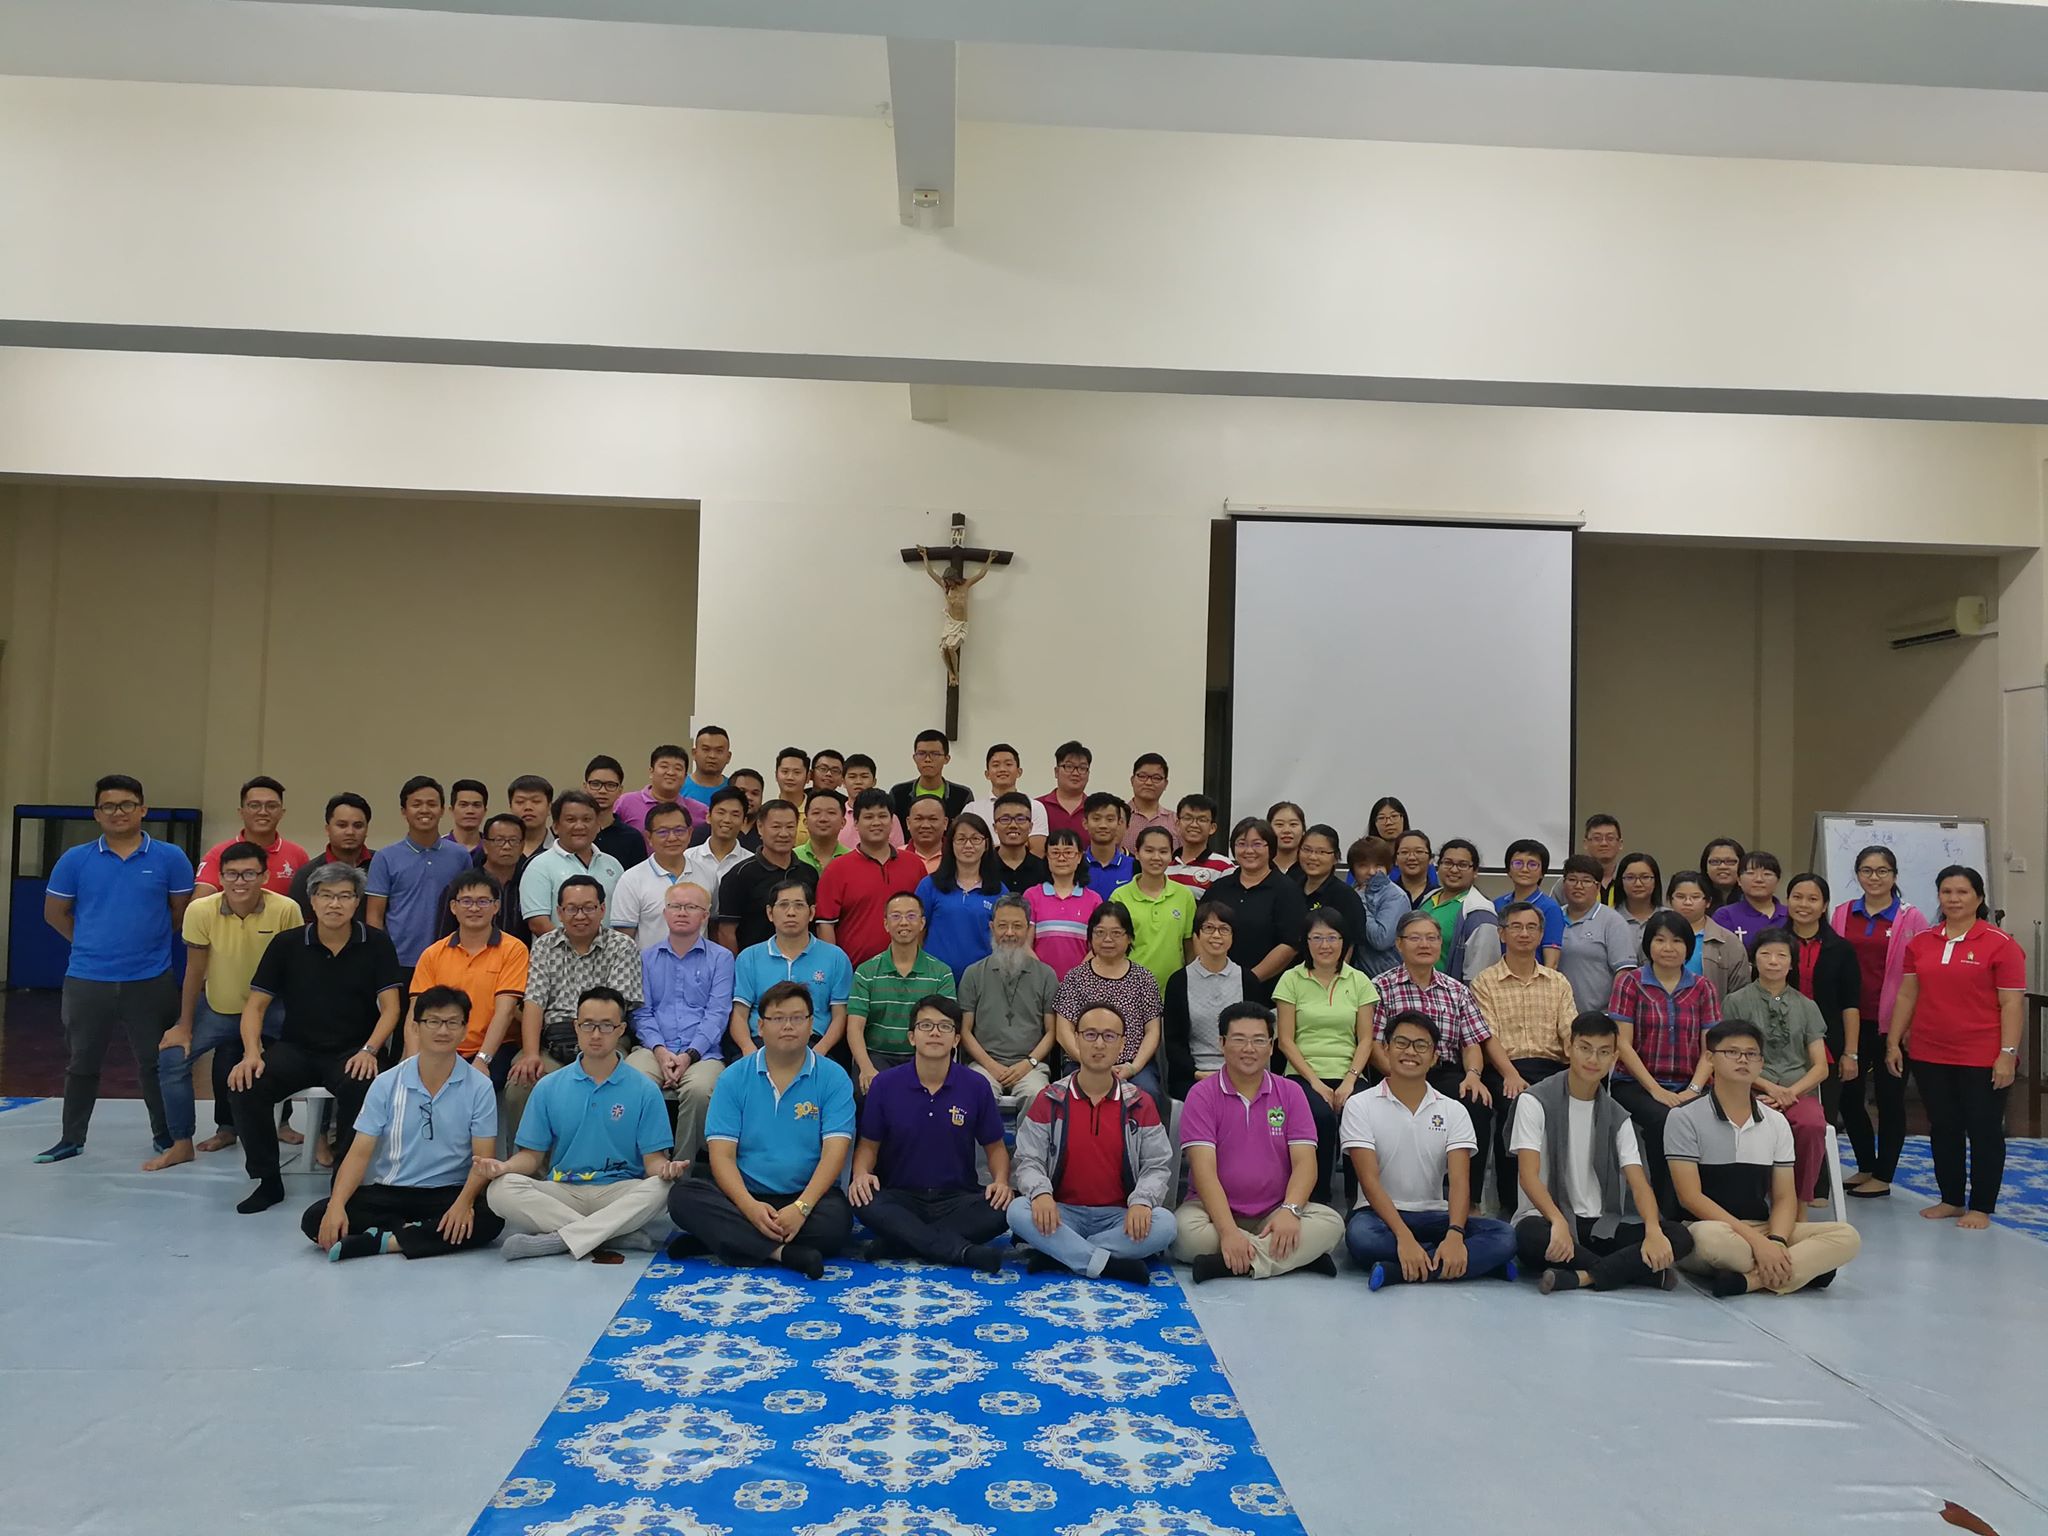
x=1940, y=1212
x=323, y=1154
x=288, y=1136
x=1974, y=1221
x=181, y=1152
x=219, y=1141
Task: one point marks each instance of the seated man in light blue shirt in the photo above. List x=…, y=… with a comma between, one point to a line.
x=410, y=1181
x=791, y=953
x=780, y=1128
x=687, y=982
x=603, y=1133
x=574, y=852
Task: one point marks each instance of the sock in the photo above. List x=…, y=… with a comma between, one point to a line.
x=982, y=1257
x=1210, y=1266
x=1727, y=1282
x=1039, y=1262
x=807, y=1262
x=1666, y=1279
x=885, y=1248
x=270, y=1192
x=534, y=1245
x=684, y=1246
x=61, y=1151
x=357, y=1245
x=638, y=1241
x=1132, y=1271
x=1323, y=1264
x=1822, y=1282
x=1558, y=1279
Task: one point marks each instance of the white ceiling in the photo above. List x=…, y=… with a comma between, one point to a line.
x=375, y=47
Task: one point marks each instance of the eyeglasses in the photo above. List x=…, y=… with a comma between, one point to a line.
x=333, y=894
x=1100, y=1036
x=1873, y=869
x=442, y=1021
x=118, y=807
x=505, y=840
x=600, y=1026
x=1244, y=1041
x=1013, y=821
x=1443, y=864
x=933, y=1027
x=263, y=805
x=604, y=784
x=785, y=1018
x=240, y=876
x=1073, y=765
x=1535, y=864
x=928, y=754
x=687, y=906
x=475, y=903
x=1739, y=1055
x=669, y=834
x=1723, y=863
x=581, y=909
x=1637, y=877
x=1410, y=1045
x=1324, y=936
x=1148, y=778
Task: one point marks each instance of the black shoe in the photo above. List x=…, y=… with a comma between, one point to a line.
x=983, y=1257
x=883, y=1248
x=1039, y=1262
x=683, y=1246
x=270, y=1192
x=1727, y=1282
x=1210, y=1266
x=807, y=1262
x=1322, y=1264
x=1822, y=1282
x=1127, y=1269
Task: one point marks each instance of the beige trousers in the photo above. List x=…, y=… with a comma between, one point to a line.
x=693, y=1099
x=1322, y=1229
x=1816, y=1247
x=584, y=1215
x=1030, y=1086
x=516, y=1095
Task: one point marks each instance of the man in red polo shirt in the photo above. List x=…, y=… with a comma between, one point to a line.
x=262, y=807
x=855, y=888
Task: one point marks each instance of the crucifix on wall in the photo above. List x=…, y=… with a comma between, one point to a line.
x=949, y=572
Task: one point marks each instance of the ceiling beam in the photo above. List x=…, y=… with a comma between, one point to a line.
x=922, y=75
x=928, y=402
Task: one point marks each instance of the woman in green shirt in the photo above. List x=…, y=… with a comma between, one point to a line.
x=1324, y=1007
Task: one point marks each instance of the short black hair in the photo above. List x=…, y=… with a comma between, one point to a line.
x=1002, y=746
x=241, y=851
x=530, y=784
x=1783, y=936
x=1068, y=749
x=1599, y=819
x=1103, y=1005
x=1733, y=1029
x=777, y=804
x=1526, y=845
x=853, y=760
x=788, y=883
x=725, y=794
x=711, y=730
x=1583, y=864
x=476, y=877
x=567, y=798
x=1103, y=800
x=938, y=1002
x=601, y=994
x=1062, y=837
x=1421, y=1021
x=1594, y=1025
x=475, y=787
x=418, y=782
x=261, y=781
x=579, y=882
x=939, y=736
x=796, y=752
x=1155, y=760
x=127, y=783
x=873, y=800
x=834, y=753
x=1196, y=803
x=347, y=797
x=1246, y=1009
x=1667, y=921
x=1459, y=842
x=750, y=773
x=1011, y=797
x=668, y=749
x=605, y=760
x=1516, y=908
x=825, y=794
x=1217, y=909
x=503, y=816
x=1761, y=860
x=668, y=808
x=1811, y=877
x=441, y=997
x=1148, y=830
x=787, y=992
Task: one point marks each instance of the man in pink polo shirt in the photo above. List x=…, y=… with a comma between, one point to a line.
x=668, y=765
x=1251, y=1149
x=262, y=808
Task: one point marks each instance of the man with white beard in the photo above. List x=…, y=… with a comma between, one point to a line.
x=1007, y=998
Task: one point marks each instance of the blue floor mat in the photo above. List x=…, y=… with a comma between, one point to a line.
x=7, y=1104
x=2022, y=1201
x=895, y=1400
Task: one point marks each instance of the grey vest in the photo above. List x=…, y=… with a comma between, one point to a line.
x=1554, y=1094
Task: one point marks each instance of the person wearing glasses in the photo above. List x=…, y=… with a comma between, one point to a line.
x=412, y=1178
x=1471, y=928
x=637, y=904
x=1014, y=864
x=1731, y=1162
x=341, y=987
x=1324, y=1011
x=1759, y=907
x=1004, y=768
x=261, y=803
x=502, y=856
x=1071, y=765
x=1094, y=1165
x=601, y=1134
x=959, y=897
x=791, y=952
x=914, y=1177
x=1412, y=1149
x=1600, y=841
x=1598, y=942
x=1271, y=911
x=1721, y=864
x=1145, y=809
x=578, y=953
x=687, y=982
x=1530, y=1009
x=1251, y=1151
x=1879, y=925
x=930, y=751
x=225, y=937
x=1795, y=1063
x=603, y=780
x=1528, y=862
x=776, y=1138
x=1717, y=954
x=1638, y=892
x=887, y=990
x=1197, y=864
x=485, y=964
x=1006, y=1003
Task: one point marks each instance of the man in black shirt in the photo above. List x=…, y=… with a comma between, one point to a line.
x=604, y=781
x=1016, y=866
x=504, y=859
x=750, y=785
x=743, y=894
x=931, y=752
x=341, y=988
x=348, y=842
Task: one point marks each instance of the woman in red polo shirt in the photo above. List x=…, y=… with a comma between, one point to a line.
x=1959, y=1012
x=1879, y=925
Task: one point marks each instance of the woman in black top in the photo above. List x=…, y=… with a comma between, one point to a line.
x=1321, y=885
x=1271, y=911
x=1288, y=822
x=1825, y=968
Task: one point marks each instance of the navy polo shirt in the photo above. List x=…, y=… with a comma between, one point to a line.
x=779, y=1137
x=592, y=1132
x=928, y=1138
x=121, y=908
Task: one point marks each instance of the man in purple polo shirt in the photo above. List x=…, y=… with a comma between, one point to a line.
x=1251, y=1148
x=921, y=1124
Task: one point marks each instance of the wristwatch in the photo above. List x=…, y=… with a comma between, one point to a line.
x=2008, y=1050
x=1296, y=1211
x=804, y=1206
x=483, y=1058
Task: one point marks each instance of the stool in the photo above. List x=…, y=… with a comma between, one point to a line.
x=315, y=1101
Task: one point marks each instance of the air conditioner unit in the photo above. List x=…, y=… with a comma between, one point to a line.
x=1965, y=618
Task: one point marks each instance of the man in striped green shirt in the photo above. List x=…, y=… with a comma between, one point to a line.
x=887, y=990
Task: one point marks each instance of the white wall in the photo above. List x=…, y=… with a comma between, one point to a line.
x=758, y=234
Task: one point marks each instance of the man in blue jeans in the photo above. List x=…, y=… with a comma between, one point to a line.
x=1412, y=1148
x=225, y=935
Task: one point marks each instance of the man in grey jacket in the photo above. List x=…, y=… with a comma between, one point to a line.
x=1094, y=1166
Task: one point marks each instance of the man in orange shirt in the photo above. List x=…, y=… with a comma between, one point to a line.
x=482, y=960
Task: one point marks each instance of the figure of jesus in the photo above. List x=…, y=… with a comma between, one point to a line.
x=955, y=589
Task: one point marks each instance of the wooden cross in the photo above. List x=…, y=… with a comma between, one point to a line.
x=951, y=576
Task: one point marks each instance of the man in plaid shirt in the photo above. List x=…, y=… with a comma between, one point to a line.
x=578, y=953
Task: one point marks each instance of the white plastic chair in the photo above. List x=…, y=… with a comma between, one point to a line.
x=315, y=1101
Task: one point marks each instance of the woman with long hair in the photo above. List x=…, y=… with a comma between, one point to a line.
x=1288, y=822
x=1824, y=968
x=1721, y=867
x=1879, y=925
x=1387, y=819
x=1321, y=883
x=1639, y=889
x=959, y=897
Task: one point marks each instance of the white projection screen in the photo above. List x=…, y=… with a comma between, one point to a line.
x=1429, y=661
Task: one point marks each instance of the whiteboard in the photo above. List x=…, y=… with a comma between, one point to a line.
x=1923, y=846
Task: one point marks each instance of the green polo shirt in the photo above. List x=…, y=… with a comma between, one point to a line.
x=1790, y=1022
x=1160, y=925
x=888, y=999
x=809, y=855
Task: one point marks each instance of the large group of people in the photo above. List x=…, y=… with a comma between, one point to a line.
x=844, y=990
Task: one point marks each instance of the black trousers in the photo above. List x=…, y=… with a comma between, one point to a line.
x=1506, y=1171
x=1963, y=1108
x=1327, y=1122
x=1649, y=1117
x=701, y=1209
x=937, y=1225
x=287, y=1069
x=1612, y=1261
x=1877, y=1154
x=1445, y=1078
x=411, y=1215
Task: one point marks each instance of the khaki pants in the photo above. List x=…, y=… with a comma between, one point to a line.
x=1816, y=1247
x=1028, y=1088
x=693, y=1099
x=1322, y=1229
x=585, y=1216
x=516, y=1095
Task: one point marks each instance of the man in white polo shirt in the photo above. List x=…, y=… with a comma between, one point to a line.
x=636, y=905
x=1405, y=1140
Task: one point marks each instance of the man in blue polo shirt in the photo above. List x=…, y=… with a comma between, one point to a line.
x=777, y=1136
x=409, y=878
x=921, y=1123
x=790, y=954
x=410, y=1182
x=116, y=900
x=603, y=1132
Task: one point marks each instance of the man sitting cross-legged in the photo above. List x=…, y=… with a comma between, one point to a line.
x=1576, y=1152
x=776, y=1137
x=1404, y=1139
x=1094, y=1164
x=920, y=1124
x=1251, y=1146
x=412, y=1176
x=603, y=1132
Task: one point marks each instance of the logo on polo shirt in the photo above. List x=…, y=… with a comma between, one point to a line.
x=618, y=1111
x=806, y=1111
x=956, y=1115
x=1436, y=1122
x=1277, y=1118
x=818, y=976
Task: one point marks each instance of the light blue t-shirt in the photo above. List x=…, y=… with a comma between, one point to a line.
x=424, y=1142
x=822, y=967
x=121, y=908
x=702, y=793
x=595, y=1133
x=546, y=871
x=778, y=1137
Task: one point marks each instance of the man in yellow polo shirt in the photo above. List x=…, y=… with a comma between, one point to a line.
x=482, y=960
x=225, y=935
x=1162, y=910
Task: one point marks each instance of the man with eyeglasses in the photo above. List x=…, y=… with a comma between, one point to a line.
x=225, y=937
x=791, y=952
x=776, y=1136
x=1148, y=785
x=504, y=858
x=1094, y=1165
x=1197, y=864
x=1014, y=864
x=1412, y=1148
x=1251, y=1148
x=687, y=983
x=579, y=953
x=1731, y=1157
x=603, y=780
x=1465, y=917
x=348, y=835
x=412, y=1178
x=261, y=803
x=855, y=889
x=1071, y=763
x=602, y=1134
x=1002, y=767
x=341, y=987
x=637, y=901
x=483, y=963
x=931, y=751
x=575, y=852
x=116, y=900
x=914, y=1177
